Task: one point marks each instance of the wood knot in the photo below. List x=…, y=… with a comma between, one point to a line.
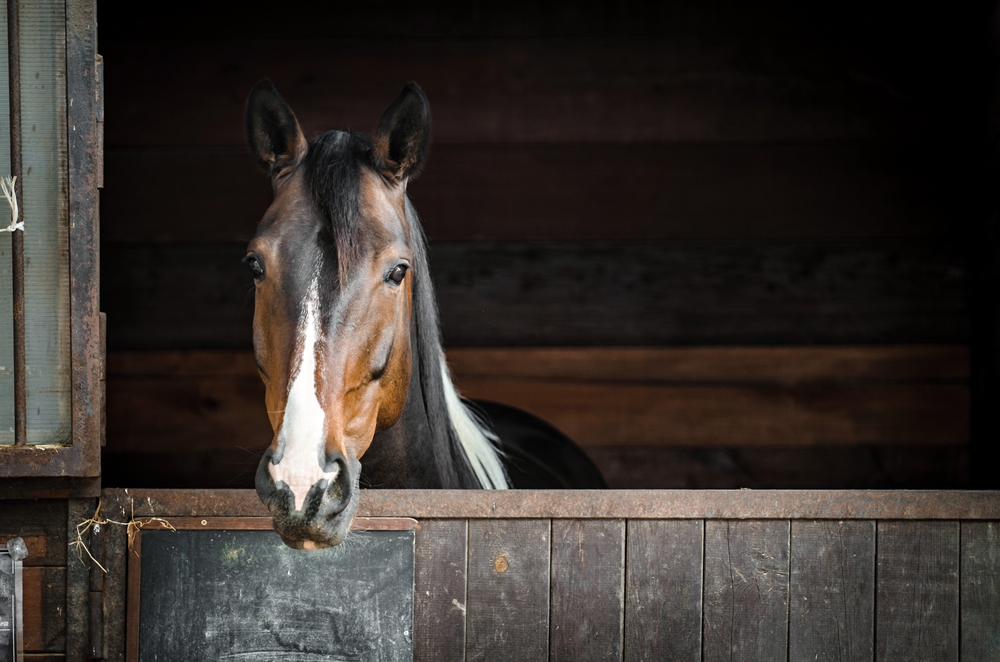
x=501, y=564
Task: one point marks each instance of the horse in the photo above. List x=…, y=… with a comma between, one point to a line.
x=346, y=335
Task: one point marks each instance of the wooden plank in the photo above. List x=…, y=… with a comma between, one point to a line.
x=980, y=591
x=219, y=309
x=488, y=90
x=148, y=416
x=78, y=586
x=156, y=398
x=589, y=504
x=625, y=467
x=588, y=586
x=563, y=192
x=441, y=558
x=664, y=569
x=586, y=294
x=784, y=365
x=44, y=609
x=783, y=467
x=508, y=596
x=746, y=590
x=917, y=604
x=42, y=524
x=715, y=415
x=832, y=591
x=145, y=414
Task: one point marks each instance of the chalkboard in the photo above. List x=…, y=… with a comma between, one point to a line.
x=213, y=596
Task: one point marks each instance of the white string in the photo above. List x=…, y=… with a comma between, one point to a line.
x=7, y=184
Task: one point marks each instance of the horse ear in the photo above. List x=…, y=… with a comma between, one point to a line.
x=274, y=134
x=404, y=134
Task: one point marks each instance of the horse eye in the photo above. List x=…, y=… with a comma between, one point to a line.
x=256, y=268
x=398, y=273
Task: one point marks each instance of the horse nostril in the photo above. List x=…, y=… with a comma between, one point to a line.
x=340, y=491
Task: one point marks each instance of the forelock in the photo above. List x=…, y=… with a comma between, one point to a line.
x=333, y=172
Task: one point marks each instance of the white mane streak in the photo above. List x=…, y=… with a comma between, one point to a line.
x=478, y=443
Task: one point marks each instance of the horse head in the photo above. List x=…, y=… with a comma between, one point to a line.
x=332, y=262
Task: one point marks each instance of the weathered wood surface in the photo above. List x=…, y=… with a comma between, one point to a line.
x=832, y=591
x=745, y=610
x=489, y=90
x=621, y=293
x=773, y=467
x=44, y=609
x=42, y=524
x=917, y=600
x=508, y=591
x=439, y=592
x=679, y=396
x=588, y=590
x=584, y=504
x=533, y=573
x=624, y=467
x=980, y=591
x=663, y=587
x=675, y=191
x=810, y=400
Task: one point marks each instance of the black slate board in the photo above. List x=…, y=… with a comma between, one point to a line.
x=216, y=596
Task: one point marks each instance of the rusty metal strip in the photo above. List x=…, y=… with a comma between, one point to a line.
x=581, y=504
x=17, y=237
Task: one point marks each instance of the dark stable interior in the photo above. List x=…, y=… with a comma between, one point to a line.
x=720, y=244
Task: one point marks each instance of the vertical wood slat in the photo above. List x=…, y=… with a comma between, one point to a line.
x=917, y=591
x=746, y=590
x=980, y=591
x=44, y=609
x=508, y=607
x=440, y=591
x=832, y=591
x=587, y=592
x=78, y=570
x=664, y=564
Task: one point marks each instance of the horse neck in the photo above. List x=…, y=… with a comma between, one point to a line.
x=419, y=450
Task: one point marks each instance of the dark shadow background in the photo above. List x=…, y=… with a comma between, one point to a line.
x=790, y=206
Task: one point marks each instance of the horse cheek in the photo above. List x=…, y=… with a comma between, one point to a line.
x=394, y=385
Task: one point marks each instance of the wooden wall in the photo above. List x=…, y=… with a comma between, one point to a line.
x=55, y=582
x=773, y=197
x=632, y=575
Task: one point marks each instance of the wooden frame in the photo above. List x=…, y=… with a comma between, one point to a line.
x=217, y=524
x=75, y=469
x=465, y=541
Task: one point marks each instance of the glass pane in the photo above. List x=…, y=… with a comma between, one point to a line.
x=46, y=238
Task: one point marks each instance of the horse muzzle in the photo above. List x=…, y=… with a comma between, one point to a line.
x=325, y=516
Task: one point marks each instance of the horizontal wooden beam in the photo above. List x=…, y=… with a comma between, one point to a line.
x=588, y=504
x=489, y=90
x=702, y=397
x=702, y=365
x=782, y=364
x=583, y=293
x=566, y=192
x=624, y=467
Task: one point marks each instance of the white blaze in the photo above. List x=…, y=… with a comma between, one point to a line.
x=303, y=430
